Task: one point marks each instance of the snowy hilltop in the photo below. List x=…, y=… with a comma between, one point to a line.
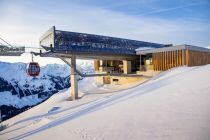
x=172, y=105
x=19, y=92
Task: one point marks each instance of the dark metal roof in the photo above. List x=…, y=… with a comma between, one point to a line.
x=89, y=43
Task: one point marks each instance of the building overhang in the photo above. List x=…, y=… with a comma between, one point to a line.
x=91, y=46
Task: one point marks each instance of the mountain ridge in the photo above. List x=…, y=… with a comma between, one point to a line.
x=19, y=92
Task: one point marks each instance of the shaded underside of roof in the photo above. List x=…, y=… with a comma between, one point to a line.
x=96, y=44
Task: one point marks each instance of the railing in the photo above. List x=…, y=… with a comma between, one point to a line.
x=110, y=70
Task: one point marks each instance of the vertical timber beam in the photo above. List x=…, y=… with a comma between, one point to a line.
x=187, y=57
x=169, y=55
x=159, y=58
x=180, y=57
x=183, y=57
x=161, y=61
x=74, y=86
x=177, y=58
x=165, y=53
x=153, y=61
x=126, y=67
x=166, y=66
x=172, y=58
x=169, y=60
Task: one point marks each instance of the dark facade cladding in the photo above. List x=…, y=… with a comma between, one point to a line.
x=87, y=43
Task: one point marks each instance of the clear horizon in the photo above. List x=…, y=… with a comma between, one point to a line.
x=176, y=22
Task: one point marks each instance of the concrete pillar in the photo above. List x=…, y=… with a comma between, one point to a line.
x=126, y=67
x=96, y=65
x=74, y=86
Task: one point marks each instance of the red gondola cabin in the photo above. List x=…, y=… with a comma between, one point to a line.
x=33, y=69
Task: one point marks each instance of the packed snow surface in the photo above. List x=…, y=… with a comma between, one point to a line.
x=172, y=105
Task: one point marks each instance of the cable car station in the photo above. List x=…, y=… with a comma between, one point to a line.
x=109, y=51
x=116, y=60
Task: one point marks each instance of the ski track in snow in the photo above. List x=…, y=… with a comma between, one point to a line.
x=57, y=116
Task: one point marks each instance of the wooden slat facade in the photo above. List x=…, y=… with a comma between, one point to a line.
x=168, y=59
x=196, y=58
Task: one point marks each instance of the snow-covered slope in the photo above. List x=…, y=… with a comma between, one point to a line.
x=19, y=91
x=173, y=105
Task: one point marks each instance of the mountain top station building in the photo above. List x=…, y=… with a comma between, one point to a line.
x=118, y=60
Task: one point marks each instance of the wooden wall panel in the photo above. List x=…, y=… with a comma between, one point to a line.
x=177, y=58
x=183, y=57
x=187, y=57
x=154, y=61
x=169, y=59
x=170, y=56
x=162, y=61
x=166, y=60
x=174, y=65
x=174, y=59
x=159, y=61
x=197, y=58
x=180, y=57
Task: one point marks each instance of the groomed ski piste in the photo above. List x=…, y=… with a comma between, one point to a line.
x=173, y=105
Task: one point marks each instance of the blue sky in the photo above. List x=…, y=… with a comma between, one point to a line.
x=22, y=22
